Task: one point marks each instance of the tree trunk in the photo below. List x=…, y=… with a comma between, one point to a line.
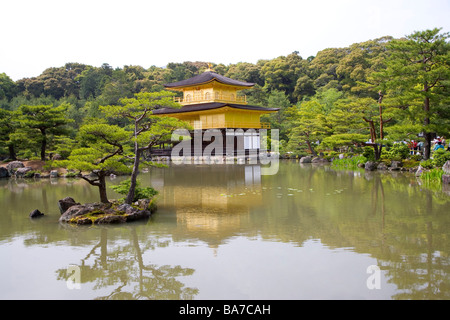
x=133, y=182
x=378, y=151
x=427, y=145
x=12, y=153
x=99, y=182
x=313, y=152
x=43, y=144
x=102, y=189
x=380, y=100
x=426, y=122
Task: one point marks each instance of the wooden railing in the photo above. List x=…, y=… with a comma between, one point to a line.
x=230, y=125
x=205, y=98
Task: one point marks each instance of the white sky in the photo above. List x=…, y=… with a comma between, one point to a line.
x=38, y=34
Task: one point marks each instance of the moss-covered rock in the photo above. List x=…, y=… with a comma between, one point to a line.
x=108, y=213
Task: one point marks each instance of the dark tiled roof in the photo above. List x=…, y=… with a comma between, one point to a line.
x=207, y=77
x=210, y=106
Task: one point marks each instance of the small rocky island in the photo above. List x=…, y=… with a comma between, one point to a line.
x=104, y=213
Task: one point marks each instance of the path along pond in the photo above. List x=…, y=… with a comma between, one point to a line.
x=228, y=232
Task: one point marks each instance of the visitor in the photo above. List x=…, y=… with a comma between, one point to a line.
x=420, y=146
x=438, y=146
x=412, y=147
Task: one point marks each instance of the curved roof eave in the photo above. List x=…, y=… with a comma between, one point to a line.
x=211, y=106
x=208, y=77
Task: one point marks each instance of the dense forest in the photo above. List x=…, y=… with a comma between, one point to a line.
x=380, y=90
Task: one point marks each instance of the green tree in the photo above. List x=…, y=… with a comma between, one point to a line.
x=362, y=60
x=346, y=115
x=8, y=88
x=101, y=154
x=323, y=67
x=45, y=119
x=117, y=87
x=245, y=71
x=278, y=120
x=8, y=125
x=309, y=126
x=282, y=73
x=147, y=130
x=417, y=78
x=92, y=80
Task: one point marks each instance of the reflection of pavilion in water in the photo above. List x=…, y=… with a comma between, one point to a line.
x=209, y=201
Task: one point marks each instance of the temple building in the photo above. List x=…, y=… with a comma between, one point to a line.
x=211, y=101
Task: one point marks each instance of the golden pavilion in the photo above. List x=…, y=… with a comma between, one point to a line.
x=211, y=101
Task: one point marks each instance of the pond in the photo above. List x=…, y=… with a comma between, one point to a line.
x=228, y=232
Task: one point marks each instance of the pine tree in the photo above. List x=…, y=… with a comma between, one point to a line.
x=418, y=78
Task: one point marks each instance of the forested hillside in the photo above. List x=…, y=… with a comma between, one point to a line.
x=333, y=98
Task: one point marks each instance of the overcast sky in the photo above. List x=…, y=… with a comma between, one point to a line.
x=37, y=34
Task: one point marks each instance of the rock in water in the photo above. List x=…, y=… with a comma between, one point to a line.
x=36, y=214
x=106, y=213
x=66, y=203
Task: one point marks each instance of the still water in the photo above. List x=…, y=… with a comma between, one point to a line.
x=226, y=232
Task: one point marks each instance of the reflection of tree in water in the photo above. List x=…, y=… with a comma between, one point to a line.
x=414, y=251
x=124, y=268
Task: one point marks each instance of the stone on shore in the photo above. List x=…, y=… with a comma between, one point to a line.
x=13, y=166
x=419, y=171
x=21, y=172
x=4, y=172
x=446, y=167
x=319, y=160
x=446, y=175
x=446, y=178
x=370, y=166
x=307, y=159
x=396, y=166
x=382, y=166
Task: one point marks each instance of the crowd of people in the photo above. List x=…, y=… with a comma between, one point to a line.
x=416, y=147
x=440, y=143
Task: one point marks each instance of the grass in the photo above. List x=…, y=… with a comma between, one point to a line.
x=349, y=163
x=432, y=176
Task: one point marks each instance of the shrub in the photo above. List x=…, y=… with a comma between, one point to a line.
x=369, y=153
x=140, y=192
x=331, y=155
x=415, y=157
x=440, y=157
x=398, y=152
x=410, y=163
x=71, y=174
x=427, y=164
x=30, y=174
